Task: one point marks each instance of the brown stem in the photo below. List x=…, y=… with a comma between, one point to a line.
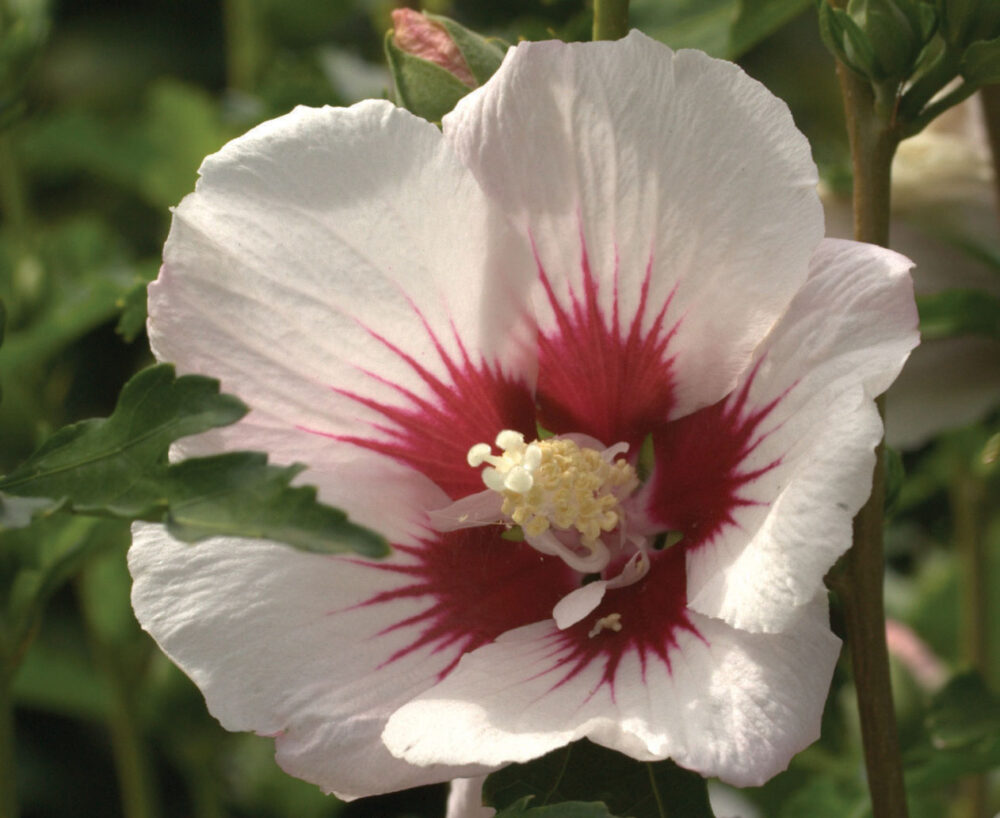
x=8, y=780
x=966, y=495
x=873, y=143
x=990, y=96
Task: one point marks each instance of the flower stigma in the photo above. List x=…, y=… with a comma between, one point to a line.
x=556, y=485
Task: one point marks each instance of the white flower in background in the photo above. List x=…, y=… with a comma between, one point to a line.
x=942, y=195
x=610, y=241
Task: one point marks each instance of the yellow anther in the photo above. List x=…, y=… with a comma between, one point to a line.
x=611, y=622
x=556, y=483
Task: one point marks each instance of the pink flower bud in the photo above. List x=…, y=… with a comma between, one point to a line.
x=415, y=34
x=915, y=655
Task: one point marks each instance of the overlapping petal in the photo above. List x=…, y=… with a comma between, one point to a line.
x=723, y=702
x=785, y=462
x=611, y=240
x=317, y=260
x=318, y=651
x=637, y=192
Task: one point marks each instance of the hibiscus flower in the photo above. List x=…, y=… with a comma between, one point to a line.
x=583, y=357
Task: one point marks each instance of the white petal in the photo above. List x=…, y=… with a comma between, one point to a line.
x=674, y=171
x=335, y=262
x=270, y=636
x=579, y=603
x=842, y=342
x=730, y=704
x=465, y=799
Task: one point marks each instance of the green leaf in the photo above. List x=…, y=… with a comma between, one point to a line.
x=98, y=464
x=964, y=712
x=82, y=275
x=757, y=19
x=981, y=62
x=482, y=55
x=951, y=313
x=964, y=21
x=132, y=304
x=182, y=125
x=701, y=24
x=964, y=729
x=44, y=556
x=118, y=466
x=585, y=772
x=826, y=796
x=60, y=681
x=567, y=809
x=154, y=154
x=422, y=87
x=239, y=494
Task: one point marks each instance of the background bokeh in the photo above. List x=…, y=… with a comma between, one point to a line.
x=106, y=110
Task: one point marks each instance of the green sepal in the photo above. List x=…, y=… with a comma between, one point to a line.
x=481, y=54
x=898, y=29
x=422, y=87
x=118, y=467
x=585, y=772
x=883, y=40
x=567, y=809
x=981, y=62
x=846, y=40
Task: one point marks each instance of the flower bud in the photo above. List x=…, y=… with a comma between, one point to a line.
x=435, y=62
x=414, y=33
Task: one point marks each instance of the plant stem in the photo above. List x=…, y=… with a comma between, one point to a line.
x=610, y=19
x=873, y=143
x=990, y=96
x=243, y=44
x=134, y=776
x=130, y=759
x=8, y=767
x=967, y=493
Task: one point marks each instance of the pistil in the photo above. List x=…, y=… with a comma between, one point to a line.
x=566, y=497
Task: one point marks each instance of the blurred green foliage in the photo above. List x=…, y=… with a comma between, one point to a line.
x=106, y=111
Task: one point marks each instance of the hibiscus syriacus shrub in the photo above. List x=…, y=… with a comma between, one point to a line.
x=585, y=359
